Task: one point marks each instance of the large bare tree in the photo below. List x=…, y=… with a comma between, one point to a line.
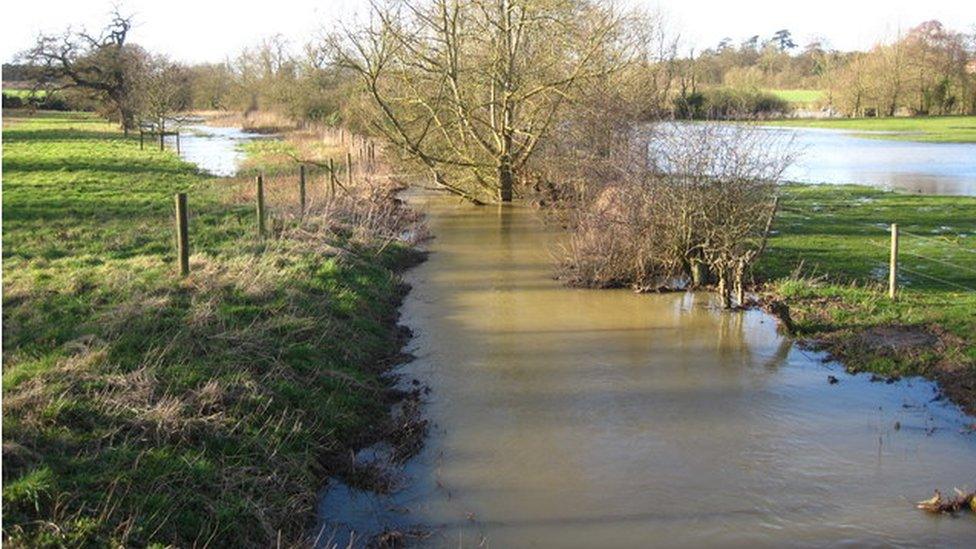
x=468, y=89
x=103, y=64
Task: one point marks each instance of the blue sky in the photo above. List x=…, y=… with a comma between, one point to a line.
x=200, y=30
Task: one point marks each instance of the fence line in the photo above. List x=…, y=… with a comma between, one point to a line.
x=365, y=172
x=927, y=258
x=937, y=279
x=959, y=246
x=894, y=266
x=947, y=263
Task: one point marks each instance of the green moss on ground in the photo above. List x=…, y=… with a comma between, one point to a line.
x=139, y=407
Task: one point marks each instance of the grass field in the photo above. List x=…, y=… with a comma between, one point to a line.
x=142, y=408
x=829, y=260
x=936, y=129
x=798, y=96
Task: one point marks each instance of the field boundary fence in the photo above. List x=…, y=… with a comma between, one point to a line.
x=360, y=161
x=911, y=257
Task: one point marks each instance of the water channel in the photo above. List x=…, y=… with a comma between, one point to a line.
x=582, y=418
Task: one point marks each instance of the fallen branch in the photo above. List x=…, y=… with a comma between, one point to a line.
x=938, y=504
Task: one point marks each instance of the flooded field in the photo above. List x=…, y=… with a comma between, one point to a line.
x=581, y=418
x=833, y=156
x=215, y=150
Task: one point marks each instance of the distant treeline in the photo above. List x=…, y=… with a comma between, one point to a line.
x=930, y=70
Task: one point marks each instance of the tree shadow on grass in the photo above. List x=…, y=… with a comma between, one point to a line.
x=17, y=134
x=107, y=164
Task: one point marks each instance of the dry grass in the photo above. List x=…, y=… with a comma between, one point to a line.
x=254, y=121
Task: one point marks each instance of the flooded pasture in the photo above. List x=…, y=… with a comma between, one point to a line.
x=214, y=149
x=583, y=418
x=838, y=157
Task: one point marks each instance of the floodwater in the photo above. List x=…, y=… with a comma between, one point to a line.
x=215, y=150
x=584, y=418
x=834, y=156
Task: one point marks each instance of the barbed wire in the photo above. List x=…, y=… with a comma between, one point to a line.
x=948, y=263
x=924, y=275
x=959, y=246
x=902, y=250
x=937, y=279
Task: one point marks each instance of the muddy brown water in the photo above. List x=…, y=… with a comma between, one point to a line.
x=582, y=418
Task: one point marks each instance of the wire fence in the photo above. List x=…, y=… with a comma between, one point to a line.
x=292, y=189
x=921, y=261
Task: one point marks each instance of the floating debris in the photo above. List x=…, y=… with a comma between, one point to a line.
x=938, y=504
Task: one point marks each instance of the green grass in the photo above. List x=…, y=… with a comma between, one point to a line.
x=23, y=93
x=837, y=239
x=935, y=129
x=798, y=96
x=139, y=407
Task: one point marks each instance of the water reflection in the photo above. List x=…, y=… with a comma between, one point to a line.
x=578, y=418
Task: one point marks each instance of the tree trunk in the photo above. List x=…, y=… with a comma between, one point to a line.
x=740, y=291
x=506, y=180
x=723, y=289
x=699, y=274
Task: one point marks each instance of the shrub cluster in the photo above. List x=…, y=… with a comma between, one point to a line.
x=729, y=103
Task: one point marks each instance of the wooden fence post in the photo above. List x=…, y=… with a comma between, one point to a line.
x=349, y=169
x=141, y=143
x=260, y=197
x=893, y=263
x=177, y=142
x=182, y=235
x=332, y=178
x=301, y=186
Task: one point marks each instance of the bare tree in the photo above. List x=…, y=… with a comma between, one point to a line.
x=102, y=64
x=163, y=91
x=469, y=88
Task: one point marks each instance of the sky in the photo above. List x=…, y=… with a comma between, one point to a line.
x=207, y=30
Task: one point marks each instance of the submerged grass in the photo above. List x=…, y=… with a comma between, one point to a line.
x=935, y=129
x=828, y=259
x=142, y=408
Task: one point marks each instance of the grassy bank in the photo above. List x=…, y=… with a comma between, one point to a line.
x=139, y=407
x=828, y=260
x=935, y=129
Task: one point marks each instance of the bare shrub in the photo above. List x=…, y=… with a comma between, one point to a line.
x=690, y=204
x=366, y=212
